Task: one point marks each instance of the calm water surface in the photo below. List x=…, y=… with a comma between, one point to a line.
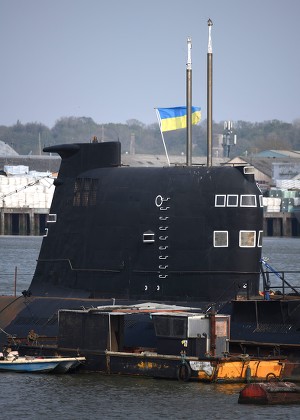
x=93, y=396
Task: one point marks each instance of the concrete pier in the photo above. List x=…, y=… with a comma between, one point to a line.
x=281, y=224
x=25, y=200
x=14, y=221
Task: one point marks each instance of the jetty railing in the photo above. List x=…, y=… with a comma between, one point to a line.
x=12, y=283
x=275, y=282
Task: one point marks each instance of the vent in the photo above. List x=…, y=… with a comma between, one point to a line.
x=148, y=237
x=85, y=192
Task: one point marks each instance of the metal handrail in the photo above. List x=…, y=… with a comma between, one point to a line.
x=279, y=274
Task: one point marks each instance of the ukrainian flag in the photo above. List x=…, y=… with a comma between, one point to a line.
x=175, y=118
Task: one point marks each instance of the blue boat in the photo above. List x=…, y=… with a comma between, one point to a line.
x=31, y=364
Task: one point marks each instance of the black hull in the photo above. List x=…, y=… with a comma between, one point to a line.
x=147, y=233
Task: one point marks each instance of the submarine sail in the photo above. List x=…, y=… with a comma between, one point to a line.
x=167, y=234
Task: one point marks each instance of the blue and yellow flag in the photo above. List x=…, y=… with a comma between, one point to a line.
x=175, y=118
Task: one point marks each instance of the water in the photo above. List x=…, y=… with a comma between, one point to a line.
x=21, y=252
x=283, y=255
x=93, y=396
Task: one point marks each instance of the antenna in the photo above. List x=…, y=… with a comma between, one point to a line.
x=229, y=139
x=189, y=104
x=209, y=95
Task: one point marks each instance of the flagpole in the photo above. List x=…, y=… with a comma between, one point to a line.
x=209, y=95
x=162, y=136
x=189, y=104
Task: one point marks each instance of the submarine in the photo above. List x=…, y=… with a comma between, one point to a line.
x=170, y=234
x=184, y=235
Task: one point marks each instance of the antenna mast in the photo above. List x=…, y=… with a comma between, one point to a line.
x=189, y=103
x=229, y=139
x=209, y=95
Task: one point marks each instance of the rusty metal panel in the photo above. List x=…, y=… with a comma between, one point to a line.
x=291, y=371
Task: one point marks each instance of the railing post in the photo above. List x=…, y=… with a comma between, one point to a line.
x=15, y=285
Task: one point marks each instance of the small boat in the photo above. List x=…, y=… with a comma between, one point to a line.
x=38, y=364
x=270, y=393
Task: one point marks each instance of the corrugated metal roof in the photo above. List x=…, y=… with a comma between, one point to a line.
x=264, y=163
x=279, y=154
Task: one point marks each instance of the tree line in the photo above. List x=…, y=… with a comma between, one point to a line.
x=31, y=138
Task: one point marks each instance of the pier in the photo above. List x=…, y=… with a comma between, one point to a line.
x=25, y=201
x=25, y=221
x=283, y=224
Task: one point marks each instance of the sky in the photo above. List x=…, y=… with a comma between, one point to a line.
x=117, y=60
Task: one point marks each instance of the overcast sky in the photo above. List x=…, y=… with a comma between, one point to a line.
x=116, y=60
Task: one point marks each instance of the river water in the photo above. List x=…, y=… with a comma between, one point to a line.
x=93, y=396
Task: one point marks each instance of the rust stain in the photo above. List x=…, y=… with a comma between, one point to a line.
x=146, y=365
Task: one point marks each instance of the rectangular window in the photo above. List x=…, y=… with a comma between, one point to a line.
x=179, y=327
x=175, y=327
x=220, y=200
x=148, y=237
x=247, y=238
x=232, y=200
x=220, y=238
x=248, y=200
x=51, y=218
x=249, y=170
x=260, y=238
x=261, y=203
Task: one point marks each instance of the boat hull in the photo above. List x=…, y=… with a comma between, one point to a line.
x=40, y=365
x=270, y=394
x=214, y=370
x=28, y=366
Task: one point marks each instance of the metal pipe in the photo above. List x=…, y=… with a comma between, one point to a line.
x=209, y=95
x=189, y=104
x=212, y=320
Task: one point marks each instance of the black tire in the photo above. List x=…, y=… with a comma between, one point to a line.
x=271, y=377
x=184, y=372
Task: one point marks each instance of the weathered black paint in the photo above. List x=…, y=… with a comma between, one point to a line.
x=96, y=250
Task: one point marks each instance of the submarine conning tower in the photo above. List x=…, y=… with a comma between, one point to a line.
x=165, y=234
x=80, y=157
